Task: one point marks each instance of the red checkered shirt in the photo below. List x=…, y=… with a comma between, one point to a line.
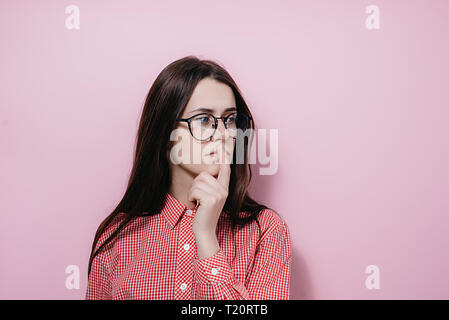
x=155, y=257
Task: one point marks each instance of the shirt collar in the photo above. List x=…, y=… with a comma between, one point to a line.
x=174, y=209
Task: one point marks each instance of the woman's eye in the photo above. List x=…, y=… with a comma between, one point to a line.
x=231, y=119
x=203, y=120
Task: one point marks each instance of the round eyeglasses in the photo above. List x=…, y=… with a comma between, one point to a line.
x=202, y=126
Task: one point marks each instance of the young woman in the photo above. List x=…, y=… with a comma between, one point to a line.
x=189, y=229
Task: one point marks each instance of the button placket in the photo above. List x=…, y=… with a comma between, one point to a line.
x=186, y=253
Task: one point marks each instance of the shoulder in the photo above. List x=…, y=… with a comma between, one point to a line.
x=268, y=223
x=273, y=227
x=110, y=229
x=126, y=234
x=270, y=219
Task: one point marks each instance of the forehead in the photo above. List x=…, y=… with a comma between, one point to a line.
x=211, y=94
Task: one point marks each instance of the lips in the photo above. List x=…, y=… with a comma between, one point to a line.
x=213, y=152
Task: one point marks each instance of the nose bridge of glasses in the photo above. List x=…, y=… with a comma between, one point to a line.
x=223, y=120
x=221, y=132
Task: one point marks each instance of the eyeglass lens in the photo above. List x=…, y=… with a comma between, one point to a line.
x=203, y=126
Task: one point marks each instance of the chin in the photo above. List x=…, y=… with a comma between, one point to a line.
x=212, y=169
x=195, y=170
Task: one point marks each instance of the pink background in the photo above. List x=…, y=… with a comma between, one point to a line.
x=362, y=116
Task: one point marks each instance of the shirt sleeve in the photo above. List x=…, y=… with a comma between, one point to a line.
x=99, y=284
x=268, y=278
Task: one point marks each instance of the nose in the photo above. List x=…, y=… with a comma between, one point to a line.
x=220, y=132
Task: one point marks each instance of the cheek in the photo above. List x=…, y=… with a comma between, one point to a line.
x=181, y=150
x=190, y=153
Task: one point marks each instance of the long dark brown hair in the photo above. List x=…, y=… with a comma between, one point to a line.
x=150, y=176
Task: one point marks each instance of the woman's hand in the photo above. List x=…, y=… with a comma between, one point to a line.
x=211, y=194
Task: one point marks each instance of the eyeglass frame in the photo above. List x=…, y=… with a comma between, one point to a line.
x=188, y=120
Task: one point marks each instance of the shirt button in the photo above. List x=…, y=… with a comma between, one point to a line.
x=214, y=271
x=189, y=212
x=183, y=286
x=186, y=246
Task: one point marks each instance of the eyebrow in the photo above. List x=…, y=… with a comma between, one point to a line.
x=211, y=110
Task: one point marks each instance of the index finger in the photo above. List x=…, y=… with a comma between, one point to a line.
x=224, y=174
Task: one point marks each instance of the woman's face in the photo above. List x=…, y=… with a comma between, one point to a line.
x=195, y=156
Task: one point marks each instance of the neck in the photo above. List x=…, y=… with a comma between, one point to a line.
x=181, y=181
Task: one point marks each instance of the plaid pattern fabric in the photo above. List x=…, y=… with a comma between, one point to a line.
x=155, y=257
